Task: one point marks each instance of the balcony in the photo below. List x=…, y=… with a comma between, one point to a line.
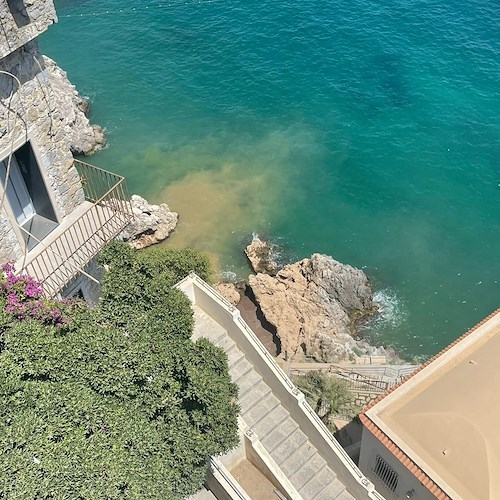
x=63, y=254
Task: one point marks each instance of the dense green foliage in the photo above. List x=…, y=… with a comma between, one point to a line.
x=180, y=262
x=326, y=394
x=117, y=402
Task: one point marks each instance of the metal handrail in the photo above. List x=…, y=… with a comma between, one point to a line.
x=102, y=189
x=87, y=167
x=347, y=375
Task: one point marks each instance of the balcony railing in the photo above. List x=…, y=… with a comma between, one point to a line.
x=65, y=252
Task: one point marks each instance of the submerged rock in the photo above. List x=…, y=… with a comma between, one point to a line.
x=151, y=223
x=316, y=305
x=68, y=106
x=259, y=254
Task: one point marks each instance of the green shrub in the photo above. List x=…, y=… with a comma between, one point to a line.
x=118, y=402
x=157, y=260
x=179, y=262
x=326, y=394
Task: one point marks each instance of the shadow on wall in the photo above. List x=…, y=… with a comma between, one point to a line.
x=254, y=317
x=19, y=12
x=349, y=438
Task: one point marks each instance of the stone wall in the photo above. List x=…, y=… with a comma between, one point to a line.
x=22, y=21
x=9, y=245
x=32, y=113
x=363, y=398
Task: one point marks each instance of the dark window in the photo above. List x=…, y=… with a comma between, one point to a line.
x=27, y=195
x=34, y=181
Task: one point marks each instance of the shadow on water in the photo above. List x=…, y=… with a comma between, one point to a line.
x=384, y=83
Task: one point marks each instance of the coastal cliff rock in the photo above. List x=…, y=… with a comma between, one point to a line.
x=259, y=254
x=229, y=291
x=71, y=108
x=151, y=223
x=316, y=305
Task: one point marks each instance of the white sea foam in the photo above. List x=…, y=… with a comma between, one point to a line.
x=392, y=311
x=228, y=276
x=279, y=248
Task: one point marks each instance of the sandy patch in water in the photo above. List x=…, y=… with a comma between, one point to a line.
x=224, y=198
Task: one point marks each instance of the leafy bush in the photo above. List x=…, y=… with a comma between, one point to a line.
x=326, y=394
x=118, y=402
x=177, y=263
x=180, y=262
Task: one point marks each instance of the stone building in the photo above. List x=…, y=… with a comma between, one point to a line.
x=436, y=435
x=56, y=213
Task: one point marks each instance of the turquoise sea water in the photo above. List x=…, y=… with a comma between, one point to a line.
x=367, y=130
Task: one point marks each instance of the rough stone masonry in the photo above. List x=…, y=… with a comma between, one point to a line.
x=38, y=105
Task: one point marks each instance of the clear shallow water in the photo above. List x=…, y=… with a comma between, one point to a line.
x=366, y=130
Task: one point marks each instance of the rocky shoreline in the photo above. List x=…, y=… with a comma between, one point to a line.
x=316, y=306
x=73, y=109
x=311, y=309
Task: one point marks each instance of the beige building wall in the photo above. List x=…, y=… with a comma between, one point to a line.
x=28, y=114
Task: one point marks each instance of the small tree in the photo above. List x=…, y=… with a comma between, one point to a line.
x=326, y=394
x=114, y=402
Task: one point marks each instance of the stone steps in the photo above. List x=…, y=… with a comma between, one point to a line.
x=277, y=431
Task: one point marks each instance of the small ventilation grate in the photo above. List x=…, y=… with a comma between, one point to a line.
x=386, y=473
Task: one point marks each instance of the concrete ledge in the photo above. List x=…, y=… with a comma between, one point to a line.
x=222, y=484
x=258, y=455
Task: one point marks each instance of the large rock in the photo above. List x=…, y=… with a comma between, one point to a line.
x=316, y=305
x=230, y=292
x=260, y=255
x=151, y=223
x=73, y=109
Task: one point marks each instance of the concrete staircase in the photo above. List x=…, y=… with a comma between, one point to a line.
x=280, y=435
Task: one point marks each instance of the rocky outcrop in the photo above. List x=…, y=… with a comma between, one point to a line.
x=316, y=305
x=230, y=292
x=151, y=223
x=260, y=255
x=73, y=109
